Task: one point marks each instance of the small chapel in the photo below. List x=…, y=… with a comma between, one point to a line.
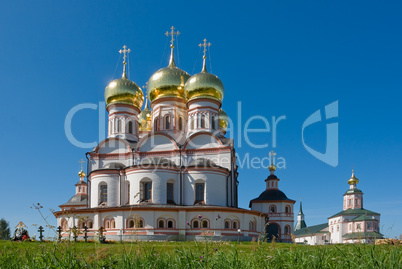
x=166, y=170
x=354, y=224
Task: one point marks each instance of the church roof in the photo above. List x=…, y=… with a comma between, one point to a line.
x=272, y=195
x=362, y=235
x=356, y=211
x=350, y=191
x=78, y=199
x=311, y=230
x=363, y=217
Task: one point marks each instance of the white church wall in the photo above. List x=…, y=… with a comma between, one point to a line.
x=202, y=141
x=112, y=189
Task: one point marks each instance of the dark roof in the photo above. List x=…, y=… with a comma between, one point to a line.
x=272, y=177
x=363, y=217
x=78, y=199
x=355, y=212
x=311, y=230
x=271, y=195
x=353, y=191
x=362, y=235
x=300, y=225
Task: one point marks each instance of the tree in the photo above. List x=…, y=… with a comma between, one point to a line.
x=4, y=230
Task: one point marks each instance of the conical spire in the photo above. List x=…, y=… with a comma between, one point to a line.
x=172, y=33
x=301, y=209
x=300, y=224
x=204, y=57
x=124, y=51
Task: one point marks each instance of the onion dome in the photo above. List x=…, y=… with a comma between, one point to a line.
x=204, y=84
x=223, y=120
x=124, y=91
x=168, y=81
x=81, y=173
x=353, y=180
x=145, y=118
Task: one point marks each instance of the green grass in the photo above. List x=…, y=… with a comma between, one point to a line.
x=195, y=255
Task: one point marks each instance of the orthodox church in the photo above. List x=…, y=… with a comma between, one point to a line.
x=166, y=170
x=353, y=224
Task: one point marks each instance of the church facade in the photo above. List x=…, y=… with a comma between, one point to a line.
x=354, y=224
x=166, y=170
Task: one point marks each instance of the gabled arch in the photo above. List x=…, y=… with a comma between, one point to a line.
x=112, y=145
x=201, y=140
x=156, y=142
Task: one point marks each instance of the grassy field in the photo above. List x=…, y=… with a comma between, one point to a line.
x=195, y=255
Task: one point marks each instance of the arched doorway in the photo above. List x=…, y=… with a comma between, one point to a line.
x=272, y=229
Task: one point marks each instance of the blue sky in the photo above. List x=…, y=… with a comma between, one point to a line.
x=278, y=58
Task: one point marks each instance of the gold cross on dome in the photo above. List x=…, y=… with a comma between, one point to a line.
x=124, y=51
x=272, y=154
x=172, y=33
x=82, y=163
x=205, y=45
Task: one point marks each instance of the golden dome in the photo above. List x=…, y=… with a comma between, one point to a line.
x=353, y=180
x=204, y=85
x=81, y=173
x=124, y=91
x=168, y=81
x=223, y=120
x=145, y=118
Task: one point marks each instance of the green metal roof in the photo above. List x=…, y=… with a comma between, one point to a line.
x=311, y=230
x=355, y=212
x=363, y=217
x=353, y=191
x=362, y=235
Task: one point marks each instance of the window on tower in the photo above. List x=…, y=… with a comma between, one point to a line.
x=181, y=124
x=199, y=192
x=202, y=121
x=213, y=123
x=102, y=193
x=146, y=191
x=169, y=193
x=156, y=123
x=119, y=125
x=130, y=127
x=167, y=122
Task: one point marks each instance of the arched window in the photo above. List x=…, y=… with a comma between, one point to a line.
x=170, y=224
x=196, y=224
x=131, y=223
x=272, y=209
x=227, y=224
x=128, y=193
x=112, y=224
x=235, y=225
x=199, y=192
x=103, y=193
x=146, y=191
x=213, y=123
x=161, y=224
x=90, y=224
x=169, y=193
x=119, y=125
x=287, y=229
x=287, y=209
x=202, y=121
x=191, y=123
x=181, y=124
x=167, y=122
x=140, y=223
x=107, y=224
x=357, y=201
x=205, y=224
x=130, y=127
x=156, y=123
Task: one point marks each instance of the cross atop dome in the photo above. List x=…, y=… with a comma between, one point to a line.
x=172, y=33
x=272, y=166
x=81, y=173
x=205, y=45
x=125, y=52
